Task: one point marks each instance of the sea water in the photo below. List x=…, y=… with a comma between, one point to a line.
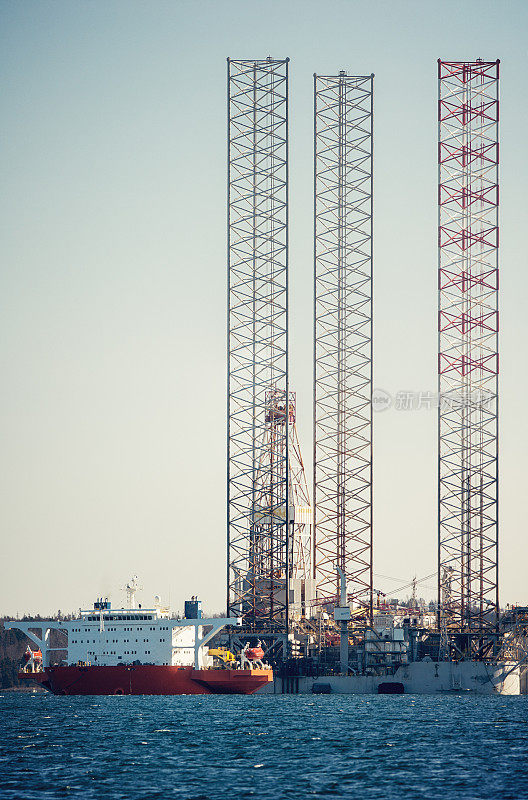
x=455, y=747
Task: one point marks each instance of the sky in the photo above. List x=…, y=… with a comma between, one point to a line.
x=113, y=281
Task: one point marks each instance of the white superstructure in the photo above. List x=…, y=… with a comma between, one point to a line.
x=109, y=637
x=105, y=636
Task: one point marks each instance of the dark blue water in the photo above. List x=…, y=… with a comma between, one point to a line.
x=203, y=748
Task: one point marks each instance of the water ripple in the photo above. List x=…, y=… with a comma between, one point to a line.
x=192, y=748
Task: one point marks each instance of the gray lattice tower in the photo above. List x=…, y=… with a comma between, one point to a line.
x=342, y=494
x=468, y=361
x=257, y=478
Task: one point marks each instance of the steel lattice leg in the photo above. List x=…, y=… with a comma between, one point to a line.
x=468, y=364
x=343, y=335
x=258, y=343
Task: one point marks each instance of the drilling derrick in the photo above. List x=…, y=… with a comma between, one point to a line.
x=342, y=494
x=468, y=362
x=274, y=585
x=258, y=459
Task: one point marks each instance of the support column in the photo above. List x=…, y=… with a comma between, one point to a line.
x=468, y=359
x=342, y=494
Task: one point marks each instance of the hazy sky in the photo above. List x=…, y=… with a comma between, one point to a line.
x=113, y=276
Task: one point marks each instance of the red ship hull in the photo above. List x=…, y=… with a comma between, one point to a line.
x=147, y=679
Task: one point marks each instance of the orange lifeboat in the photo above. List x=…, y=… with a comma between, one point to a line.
x=32, y=655
x=254, y=653
x=32, y=660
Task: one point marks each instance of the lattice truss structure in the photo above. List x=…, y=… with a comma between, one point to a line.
x=343, y=335
x=258, y=487
x=300, y=510
x=280, y=414
x=468, y=361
